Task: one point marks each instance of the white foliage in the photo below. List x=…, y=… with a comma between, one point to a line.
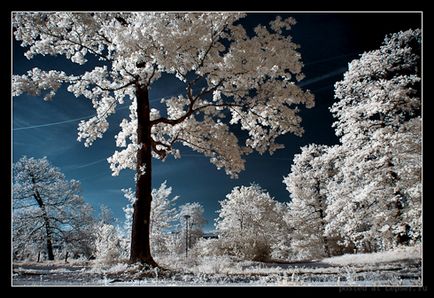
x=375, y=199
x=195, y=222
x=107, y=244
x=162, y=218
x=307, y=182
x=47, y=206
x=365, y=193
x=251, y=79
x=249, y=223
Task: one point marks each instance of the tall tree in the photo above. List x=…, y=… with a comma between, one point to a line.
x=231, y=76
x=50, y=203
x=378, y=116
x=307, y=182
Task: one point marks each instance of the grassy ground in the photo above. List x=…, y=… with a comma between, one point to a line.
x=396, y=268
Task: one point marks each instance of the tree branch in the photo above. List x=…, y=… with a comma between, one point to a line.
x=161, y=152
x=77, y=43
x=114, y=89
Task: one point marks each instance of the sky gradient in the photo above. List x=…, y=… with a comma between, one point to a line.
x=328, y=41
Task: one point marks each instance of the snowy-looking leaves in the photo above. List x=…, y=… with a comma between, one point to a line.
x=250, y=222
x=366, y=192
x=230, y=78
x=48, y=210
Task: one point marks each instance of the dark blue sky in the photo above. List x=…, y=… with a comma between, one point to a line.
x=328, y=43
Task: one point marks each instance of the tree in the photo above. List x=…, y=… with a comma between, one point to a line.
x=108, y=244
x=106, y=215
x=191, y=222
x=281, y=248
x=79, y=238
x=27, y=242
x=163, y=215
x=249, y=222
x=307, y=182
x=378, y=120
x=46, y=206
x=231, y=76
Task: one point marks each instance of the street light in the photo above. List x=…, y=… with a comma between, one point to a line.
x=186, y=234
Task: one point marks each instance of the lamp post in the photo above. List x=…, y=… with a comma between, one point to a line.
x=186, y=234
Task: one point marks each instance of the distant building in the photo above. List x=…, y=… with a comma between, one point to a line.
x=210, y=235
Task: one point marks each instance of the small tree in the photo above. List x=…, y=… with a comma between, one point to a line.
x=248, y=223
x=79, y=239
x=191, y=221
x=105, y=215
x=107, y=244
x=163, y=216
x=45, y=203
x=231, y=76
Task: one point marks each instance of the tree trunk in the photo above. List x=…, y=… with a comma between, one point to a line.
x=49, y=241
x=322, y=208
x=140, y=244
x=47, y=225
x=398, y=205
x=324, y=237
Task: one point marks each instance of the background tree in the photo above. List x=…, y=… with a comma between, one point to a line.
x=281, y=248
x=79, y=237
x=248, y=223
x=194, y=224
x=163, y=217
x=106, y=215
x=230, y=77
x=378, y=120
x=46, y=207
x=307, y=182
x=108, y=244
x=28, y=240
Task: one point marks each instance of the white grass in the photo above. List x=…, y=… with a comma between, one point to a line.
x=399, y=267
x=399, y=254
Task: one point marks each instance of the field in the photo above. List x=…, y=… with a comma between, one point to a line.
x=396, y=268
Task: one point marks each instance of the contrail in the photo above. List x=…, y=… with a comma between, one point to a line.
x=61, y=122
x=52, y=123
x=88, y=164
x=302, y=84
x=323, y=77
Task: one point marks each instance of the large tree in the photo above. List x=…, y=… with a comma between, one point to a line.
x=231, y=76
x=378, y=117
x=47, y=207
